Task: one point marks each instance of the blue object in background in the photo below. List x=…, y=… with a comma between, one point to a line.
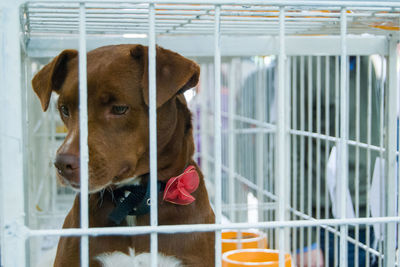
x=351, y=248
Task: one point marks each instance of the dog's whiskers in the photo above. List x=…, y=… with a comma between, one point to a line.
x=101, y=200
x=108, y=188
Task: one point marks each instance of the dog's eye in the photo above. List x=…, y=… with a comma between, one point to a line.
x=64, y=110
x=119, y=110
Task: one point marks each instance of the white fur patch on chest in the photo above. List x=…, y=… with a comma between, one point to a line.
x=141, y=260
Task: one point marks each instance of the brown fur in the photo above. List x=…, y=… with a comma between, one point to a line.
x=119, y=144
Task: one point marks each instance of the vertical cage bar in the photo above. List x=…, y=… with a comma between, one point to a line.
x=390, y=148
x=153, y=134
x=382, y=155
x=295, y=176
x=231, y=137
x=288, y=181
x=302, y=153
x=196, y=133
x=83, y=137
x=25, y=120
x=204, y=119
x=310, y=149
x=327, y=146
x=282, y=138
x=357, y=165
x=344, y=137
x=270, y=155
x=318, y=151
x=369, y=115
x=260, y=110
x=398, y=179
x=12, y=217
x=217, y=132
x=398, y=166
x=2, y=125
x=53, y=131
x=337, y=112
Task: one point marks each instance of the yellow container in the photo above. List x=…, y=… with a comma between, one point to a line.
x=254, y=257
x=232, y=240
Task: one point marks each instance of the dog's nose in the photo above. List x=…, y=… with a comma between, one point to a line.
x=68, y=167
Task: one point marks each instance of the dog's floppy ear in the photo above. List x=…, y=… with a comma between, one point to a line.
x=51, y=77
x=175, y=73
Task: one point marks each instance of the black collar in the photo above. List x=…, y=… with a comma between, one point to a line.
x=132, y=200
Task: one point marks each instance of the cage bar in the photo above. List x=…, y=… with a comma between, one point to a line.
x=391, y=159
x=309, y=147
x=357, y=162
x=339, y=3
x=344, y=134
x=83, y=136
x=12, y=144
x=187, y=228
x=282, y=139
x=231, y=136
x=318, y=148
x=153, y=135
x=217, y=134
x=369, y=101
x=327, y=145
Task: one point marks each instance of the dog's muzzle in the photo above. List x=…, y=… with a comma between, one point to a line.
x=67, y=166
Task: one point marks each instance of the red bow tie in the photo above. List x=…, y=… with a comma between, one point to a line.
x=178, y=188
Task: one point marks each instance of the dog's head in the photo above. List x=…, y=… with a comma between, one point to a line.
x=117, y=80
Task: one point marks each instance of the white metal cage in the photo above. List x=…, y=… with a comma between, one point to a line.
x=296, y=121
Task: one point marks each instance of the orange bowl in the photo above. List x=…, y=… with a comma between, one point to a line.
x=254, y=257
x=232, y=240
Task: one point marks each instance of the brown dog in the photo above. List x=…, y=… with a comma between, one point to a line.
x=119, y=146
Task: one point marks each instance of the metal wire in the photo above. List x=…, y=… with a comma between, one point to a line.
x=153, y=136
x=187, y=228
x=181, y=17
x=344, y=135
x=217, y=140
x=83, y=138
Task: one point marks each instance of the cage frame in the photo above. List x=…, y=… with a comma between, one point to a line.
x=14, y=231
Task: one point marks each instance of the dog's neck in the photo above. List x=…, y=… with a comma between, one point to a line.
x=132, y=200
x=176, y=151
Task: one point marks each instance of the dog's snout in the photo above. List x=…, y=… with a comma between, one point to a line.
x=68, y=167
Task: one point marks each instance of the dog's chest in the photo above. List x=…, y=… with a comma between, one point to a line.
x=135, y=260
x=132, y=260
